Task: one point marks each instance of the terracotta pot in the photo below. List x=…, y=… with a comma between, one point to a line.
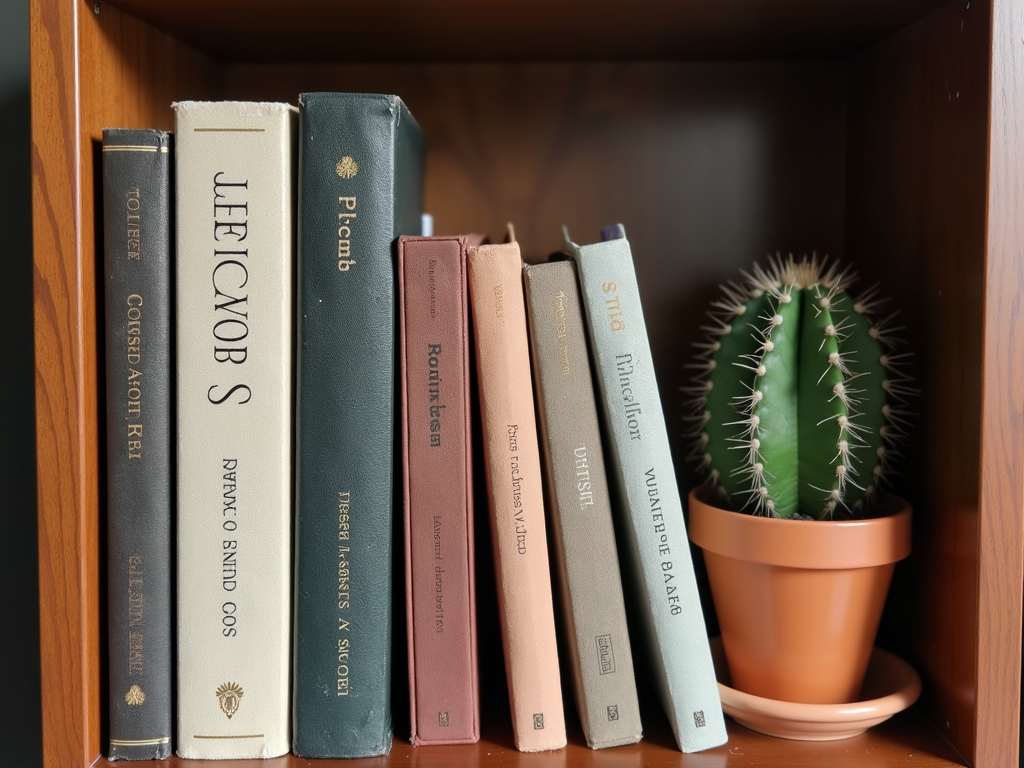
x=798, y=602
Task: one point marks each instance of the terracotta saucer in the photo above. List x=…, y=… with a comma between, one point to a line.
x=891, y=685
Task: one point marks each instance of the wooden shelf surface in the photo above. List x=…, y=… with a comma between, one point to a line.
x=906, y=741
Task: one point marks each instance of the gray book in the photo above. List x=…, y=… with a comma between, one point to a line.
x=581, y=516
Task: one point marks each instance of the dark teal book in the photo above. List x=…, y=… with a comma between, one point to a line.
x=361, y=162
x=137, y=297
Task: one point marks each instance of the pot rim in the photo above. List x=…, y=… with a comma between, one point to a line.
x=822, y=544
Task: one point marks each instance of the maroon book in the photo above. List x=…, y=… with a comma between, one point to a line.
x=437, y=475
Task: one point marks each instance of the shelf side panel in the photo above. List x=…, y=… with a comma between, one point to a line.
x=918, y=224
x=66, y=402
x=916, y=180
x=89, y=70
x=1002, y=450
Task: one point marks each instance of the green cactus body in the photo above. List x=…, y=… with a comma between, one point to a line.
x=793, y=400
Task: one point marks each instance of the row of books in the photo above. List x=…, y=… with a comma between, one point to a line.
x=288, y=372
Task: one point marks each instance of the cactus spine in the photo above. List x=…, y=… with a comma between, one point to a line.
x=798, y=400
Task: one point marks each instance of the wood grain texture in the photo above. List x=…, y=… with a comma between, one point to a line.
x=66, y=399
x=919, y=120
x=709, y=165
x=88, y=72
x=921, y=236
x=907, y=741
x=920, y=226
x=1002, y=450
x=679, y=152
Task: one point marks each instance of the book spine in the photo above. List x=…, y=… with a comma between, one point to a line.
x=580, y=509
x=360, y=186
x=137, y=262
x=235, y=273
x=515, y=494
x=440, y=596
x=641, y=459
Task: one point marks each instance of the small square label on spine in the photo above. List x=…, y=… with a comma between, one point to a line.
x=613, y=713
x=698, y=718
x=538, y=721
x=442, y=719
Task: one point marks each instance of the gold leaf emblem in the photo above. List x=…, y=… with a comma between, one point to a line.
x=135, y=696
x=230, y=696
x=347, y=168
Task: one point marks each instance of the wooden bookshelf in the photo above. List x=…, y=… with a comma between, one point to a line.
x=888, y=133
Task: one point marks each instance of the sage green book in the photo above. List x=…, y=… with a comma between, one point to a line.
x=360, y=187
x=587, y=561
x=640, y=463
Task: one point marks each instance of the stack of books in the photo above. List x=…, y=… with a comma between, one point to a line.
x=290, y=391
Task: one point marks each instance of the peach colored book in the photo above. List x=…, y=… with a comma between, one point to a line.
x=516, y=496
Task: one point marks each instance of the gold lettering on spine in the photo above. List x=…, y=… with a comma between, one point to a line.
x=560, y=315
x=345, y=223
x=499, y=301
x=613, y=306
x=136, y=656
x=560, y=333
x=134, y=393
x=134, y=329
x=133, y=242
x=133, y=252
x=136, y=604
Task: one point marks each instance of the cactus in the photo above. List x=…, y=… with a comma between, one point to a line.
x=798, y=403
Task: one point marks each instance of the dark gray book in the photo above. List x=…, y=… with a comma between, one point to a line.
x=580, y=505
x=137, y=299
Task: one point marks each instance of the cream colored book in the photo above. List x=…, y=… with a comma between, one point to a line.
x=235, y=200
x=516, y=496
